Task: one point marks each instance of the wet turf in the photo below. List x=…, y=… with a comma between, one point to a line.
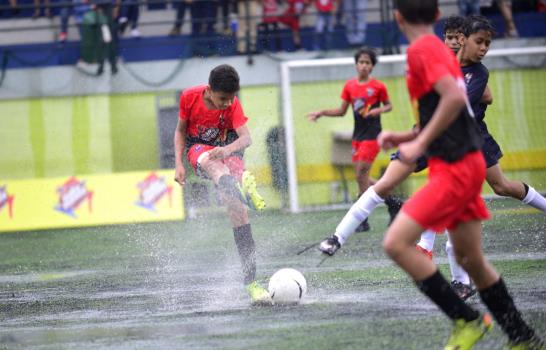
x=177, y=285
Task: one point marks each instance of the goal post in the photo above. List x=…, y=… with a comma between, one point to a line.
x=517, y=77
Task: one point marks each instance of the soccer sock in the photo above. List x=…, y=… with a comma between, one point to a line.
x=501, y=305
x=228, y=185
x=534, y=199
x=457, y=271
x=427, y=240
x=247, y=251
x=358, y=213
x=439, y=291
x=393, y=203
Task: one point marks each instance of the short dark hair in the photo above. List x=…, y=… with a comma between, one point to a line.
x=366, y=51
x=454, y=23
x=417, y=11
x=224, y=78
x=474, y=23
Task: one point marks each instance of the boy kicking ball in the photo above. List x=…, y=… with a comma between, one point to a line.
x=212, y=131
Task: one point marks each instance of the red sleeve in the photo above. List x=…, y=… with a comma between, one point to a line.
x=238, y=117
x=383, y=95
x=183, y=113
x=435, y=68
x=346, y=93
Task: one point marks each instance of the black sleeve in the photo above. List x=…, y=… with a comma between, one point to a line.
x=476, y=86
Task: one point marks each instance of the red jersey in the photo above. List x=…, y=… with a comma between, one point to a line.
x=208, y=126
x=324, y=5
x=429, y=60
x=363, y=97
x=270, y=11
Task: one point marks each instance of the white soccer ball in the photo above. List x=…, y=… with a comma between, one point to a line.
x=287, y=286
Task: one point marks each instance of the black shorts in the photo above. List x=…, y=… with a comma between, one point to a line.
x=491, y=151
x=420, y=164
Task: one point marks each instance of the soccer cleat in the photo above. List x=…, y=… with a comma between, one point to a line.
x=330, y=245
x=363, y=227
x=463, y=291
x=427, y=252
x=394, y=204
x=466, y=333
x=535, y=343
x=253, y=199
x=258, y=294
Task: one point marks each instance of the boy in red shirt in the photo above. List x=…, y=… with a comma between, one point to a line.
x=451, y=199
x=369, y=98
x=212, y=131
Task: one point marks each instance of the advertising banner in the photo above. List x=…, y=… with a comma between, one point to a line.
x=89, y=200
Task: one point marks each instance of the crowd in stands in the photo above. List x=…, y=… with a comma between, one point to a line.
x=245, y=21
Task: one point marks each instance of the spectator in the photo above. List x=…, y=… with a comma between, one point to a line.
x=38, y=9
x=14, y=9
x=269, y=25
x=203, y=21
x=291, y=17
x=468, y=7
x=181, y=7
x=129, y=13
x=79, y=9
x=247, y=30
x=229, y=9
x=324, y=21
x=355, y=21
x=505, y=8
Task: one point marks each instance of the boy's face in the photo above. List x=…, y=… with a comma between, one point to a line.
x=451, y=39
x=220, y=99
x=477, y=45
x=364, y=65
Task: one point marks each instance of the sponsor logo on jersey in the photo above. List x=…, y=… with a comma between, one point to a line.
x=72, y=193
x=151, y=190
x=6, y=200
x=467, y=78
x=370, y=91
x=208, y=134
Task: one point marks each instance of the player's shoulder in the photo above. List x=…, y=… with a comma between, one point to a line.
x=378, y=83
x=194, y=91
x=482, y=68
x=429, y=46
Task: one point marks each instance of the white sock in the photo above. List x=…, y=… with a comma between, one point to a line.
x=535, y=199
x=427, y=240
x=457, y=271
x=359, y=212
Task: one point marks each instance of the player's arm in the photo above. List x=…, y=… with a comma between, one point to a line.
x=334, y=112
x=487, y=96
x=375, y=112
x=179, y=146
x=452, y=101
x=243, y=141
x=391, y=139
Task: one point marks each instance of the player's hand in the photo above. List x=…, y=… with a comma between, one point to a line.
x=218, y=153
x=410, y=151
x=180, y=175
x=374, y=112
x=387, y=140
x=313, y=116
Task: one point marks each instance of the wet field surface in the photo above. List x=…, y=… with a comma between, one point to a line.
x=178, y=286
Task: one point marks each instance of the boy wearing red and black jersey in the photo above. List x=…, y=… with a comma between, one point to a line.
x=212, y=131
x=451, y=198
x=368, y=98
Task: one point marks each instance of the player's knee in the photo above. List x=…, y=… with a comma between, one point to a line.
x=392, y=247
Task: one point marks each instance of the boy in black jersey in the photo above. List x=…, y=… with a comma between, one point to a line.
x=451, y=198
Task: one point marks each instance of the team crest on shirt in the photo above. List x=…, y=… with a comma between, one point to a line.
x=370, y=91
x=72, y=193
x=151, y=190
x=6, y=200
x=467, y=78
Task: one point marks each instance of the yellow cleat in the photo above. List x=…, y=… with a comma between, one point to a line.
x=258, y=294
x=253, y=198
x=465, y=334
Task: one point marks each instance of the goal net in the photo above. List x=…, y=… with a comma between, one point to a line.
x=319, y=169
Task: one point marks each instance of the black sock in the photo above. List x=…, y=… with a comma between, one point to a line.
x=247, y=251
x=526, y=187
x=393, y=202
x=501, y=305
x=439, y=291
x=228, y=185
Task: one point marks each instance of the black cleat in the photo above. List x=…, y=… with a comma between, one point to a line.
x=363, y=227
x=463, y=291
x=393, y=205
x=330, y=245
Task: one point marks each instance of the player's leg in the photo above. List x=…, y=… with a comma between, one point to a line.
x=466, y=239
x=362, y=170
x=460, y=280
x=395, y=173
x=515, y=189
